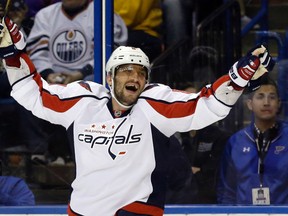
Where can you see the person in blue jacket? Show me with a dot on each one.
(15, 192)
(255, 160)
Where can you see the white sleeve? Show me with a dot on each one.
(57, 104)
(173, 111)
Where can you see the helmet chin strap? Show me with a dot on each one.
(113, 95)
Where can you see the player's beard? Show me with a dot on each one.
(126, 100)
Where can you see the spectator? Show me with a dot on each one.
(122, 135)
(143, 19)
(15, 192)
(254, 157)
(59, 45)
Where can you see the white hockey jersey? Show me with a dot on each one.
(120, 162)
(59, 43)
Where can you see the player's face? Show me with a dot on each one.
(129, 82)
(265, 104)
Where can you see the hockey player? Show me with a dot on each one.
(121, 135)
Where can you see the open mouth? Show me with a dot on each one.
(131, 87)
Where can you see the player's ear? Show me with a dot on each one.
(109, 79)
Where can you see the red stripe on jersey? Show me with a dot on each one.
(53, 102)
(38, 80)
(220, 81)
(142, 208)
(179, 109)
(174, 110)
(182, 109)
(29, 62)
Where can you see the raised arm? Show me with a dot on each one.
(58, 104)
(245, 73)
(183, 112)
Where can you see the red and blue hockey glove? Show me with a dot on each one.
(251, 67)
(267, 65)
(11, 38)
(243, 70)
(267, 62)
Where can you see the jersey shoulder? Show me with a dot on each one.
(154, 89)
(47, 11)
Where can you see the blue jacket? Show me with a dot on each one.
(239, 168)
(15, 192)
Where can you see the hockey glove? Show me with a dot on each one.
(252, 66)
(267, 65)
(11, 39)
(267, 62)
(243, 70)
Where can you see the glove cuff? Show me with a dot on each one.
(243, 70)
(236, 78)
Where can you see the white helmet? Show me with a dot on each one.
(127, 55)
